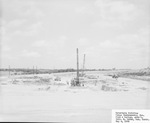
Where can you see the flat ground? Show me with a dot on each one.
(41, 98)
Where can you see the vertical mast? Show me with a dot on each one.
(77, 68)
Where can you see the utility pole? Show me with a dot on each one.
(77, 81)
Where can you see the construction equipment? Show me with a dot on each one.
(75, 81)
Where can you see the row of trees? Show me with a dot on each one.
(34, 70)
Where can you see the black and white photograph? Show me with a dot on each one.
(74, 61)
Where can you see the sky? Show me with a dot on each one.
(46, 33)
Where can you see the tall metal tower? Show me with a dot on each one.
(77, 81)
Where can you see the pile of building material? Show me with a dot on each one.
(108, 88)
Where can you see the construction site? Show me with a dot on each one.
(74, 61)
(80, 96)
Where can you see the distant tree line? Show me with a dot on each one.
(43, 71)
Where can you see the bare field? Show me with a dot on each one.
(42, 98)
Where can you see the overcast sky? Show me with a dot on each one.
(46, 33)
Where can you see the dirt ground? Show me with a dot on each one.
(41, 98)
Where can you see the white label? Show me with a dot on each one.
(130, 116)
